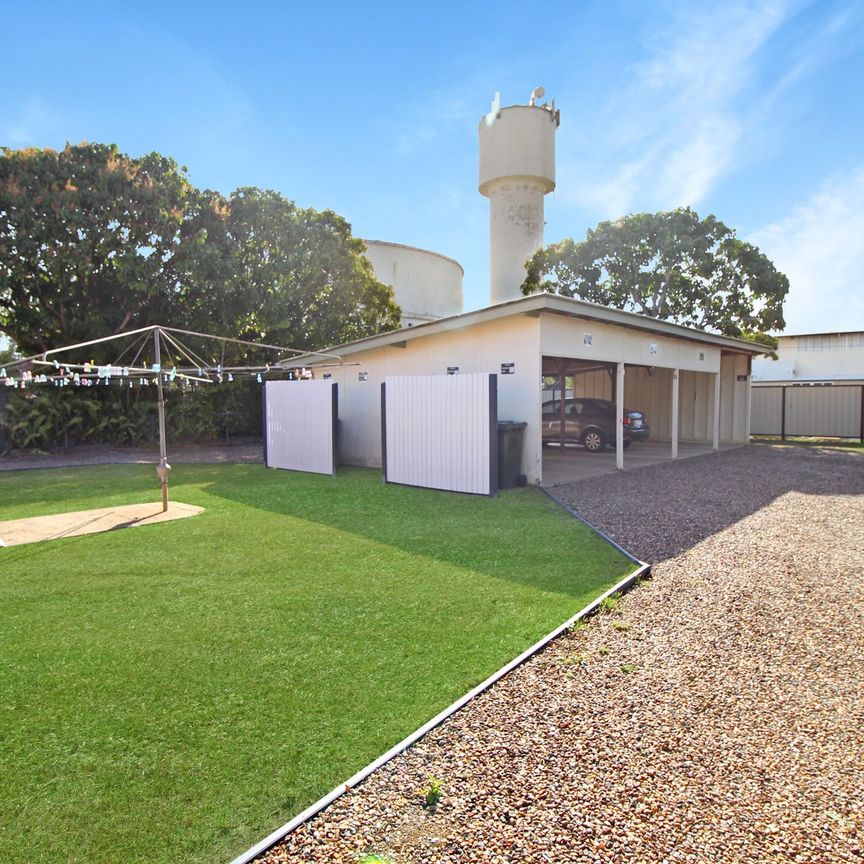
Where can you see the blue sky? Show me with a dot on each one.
(751, 111)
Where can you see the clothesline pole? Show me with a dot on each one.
(163, 468)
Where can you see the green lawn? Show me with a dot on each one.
(849, 445)
(174, 692)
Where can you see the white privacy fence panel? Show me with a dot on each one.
(300, 425)
(830, 411)
(440, 431)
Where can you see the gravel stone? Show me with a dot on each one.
(717, 716)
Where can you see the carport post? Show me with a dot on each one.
(619, 417)
(674, 413)
(716, 442)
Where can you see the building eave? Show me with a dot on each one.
(538, 304)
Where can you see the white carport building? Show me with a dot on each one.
(693, 386)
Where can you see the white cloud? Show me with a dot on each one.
(439, 115)
(33, 124)
(676, 127)
(820, 247)
(690, 171)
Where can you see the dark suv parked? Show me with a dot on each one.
(591, 423)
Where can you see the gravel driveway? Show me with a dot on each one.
(717, 716)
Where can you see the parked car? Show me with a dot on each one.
(591, 423)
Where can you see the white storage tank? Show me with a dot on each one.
(517, 169)
(426, 285)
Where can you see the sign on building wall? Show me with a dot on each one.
(300, 419)
(440, 432)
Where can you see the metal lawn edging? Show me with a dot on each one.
(282, 832)
(565, 506)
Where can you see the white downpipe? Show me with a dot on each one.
(619, 417)
(675, 377)
(716, 442)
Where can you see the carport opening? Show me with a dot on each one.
(579, 418)
(578, 405)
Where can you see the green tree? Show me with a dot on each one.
(87, 238)
(669, 265)
(257, 267)
(94, 242)
(291, 276)
(7, 351)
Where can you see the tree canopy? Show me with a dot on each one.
(93, 242)
(669, 265)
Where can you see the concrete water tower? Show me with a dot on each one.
(427, 286)
(517, 168)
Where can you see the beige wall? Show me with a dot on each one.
(767, 411)
(828, 356)
(734, 419)
(695, 406)
(482, 348)
(564, 337)
(829, 411)
(524, 340)
(650, 392)
(594, 385)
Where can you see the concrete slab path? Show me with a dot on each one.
(16, 532)
(575, 463)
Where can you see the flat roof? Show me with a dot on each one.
(808, 379)
(819, 333)
(536, 304)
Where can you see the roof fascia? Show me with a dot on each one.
(534, 305)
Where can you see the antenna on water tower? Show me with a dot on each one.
(492, 116)
(536, 93)
(517, 168)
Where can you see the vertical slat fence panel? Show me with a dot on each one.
(301, 425)
(438, 432)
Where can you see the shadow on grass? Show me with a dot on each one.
(521, 535)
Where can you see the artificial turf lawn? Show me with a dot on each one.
(175, 692)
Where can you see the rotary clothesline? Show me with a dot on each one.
(189, 365)
(89, 374)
